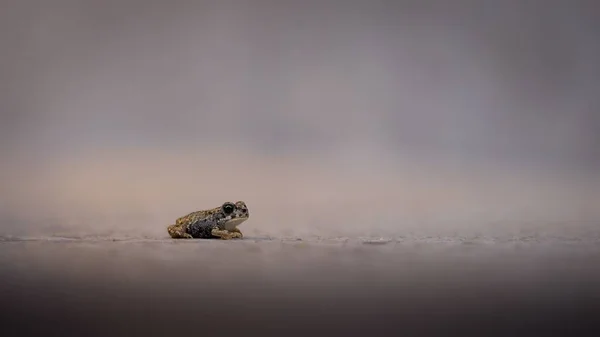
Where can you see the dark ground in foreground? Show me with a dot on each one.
(145, 287)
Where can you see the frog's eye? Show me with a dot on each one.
(228, 208)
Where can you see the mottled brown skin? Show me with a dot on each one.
(219, 222)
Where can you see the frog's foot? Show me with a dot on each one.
(177, 232)
(237, 233)
(225, 234)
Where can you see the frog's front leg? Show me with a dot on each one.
(225, 234)
(178, 232)
(237, 230)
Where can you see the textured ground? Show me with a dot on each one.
(294, 286)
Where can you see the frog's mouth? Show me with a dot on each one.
(233, 223)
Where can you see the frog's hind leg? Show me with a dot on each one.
(177, 232)
(225, 234)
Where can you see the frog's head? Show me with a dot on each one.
(233, 214)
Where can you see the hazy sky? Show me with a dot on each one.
(106, 93)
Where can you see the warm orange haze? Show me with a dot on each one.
(136, 193)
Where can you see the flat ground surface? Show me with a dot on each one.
(299, 286)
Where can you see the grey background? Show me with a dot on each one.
(349, 118)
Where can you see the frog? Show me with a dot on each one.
(219, 222)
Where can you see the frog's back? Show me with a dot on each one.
(194, 217)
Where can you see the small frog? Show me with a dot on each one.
(219, 222)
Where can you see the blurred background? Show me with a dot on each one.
(329, 118)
